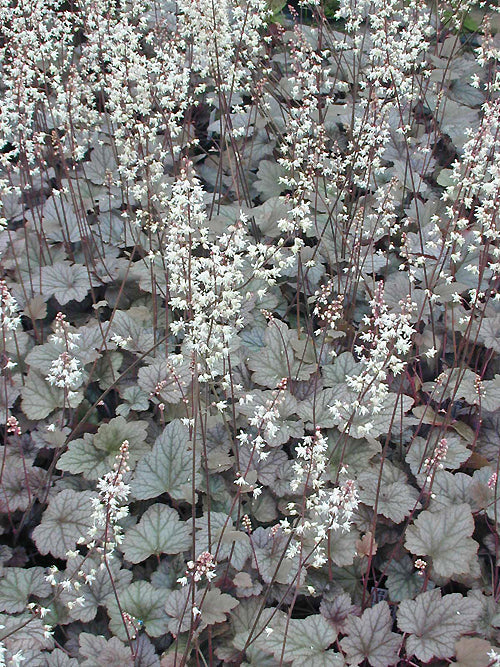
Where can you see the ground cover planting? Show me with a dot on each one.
(250, 333)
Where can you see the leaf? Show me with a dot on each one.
(267, 470)
(268, 184)
(472, 652)
(276, 360)
(424, 448)
(82, 457)
(94, 456)
(456, 383)
(216, 529)
(67, 518)
(23, 632)
(267, 550)
(67, 282)
(110, 437)
(60, 220)
(145, 604)
(39, 397)
(342, 546)
(388, 491)
(366, 546)
(316, 409)
(145, 654)
(36, 308)
(403, 580)
(102, 161)
(434, 623)
(215, 606)
(134, 326)
(20, 484)
(490, 394)
(135, 399)
(17, 584)
(338, 610)
(488, 332)
(450, 490)
(168, 381)
(285, 425)
(99, 651)
(301, 641)
(59, 659)
(454, 118)
(168, 467)
(96, 593)
(178, 607)
(488, 443)
(370, 637)
(444, 536)
(160, 531)
(354, 454)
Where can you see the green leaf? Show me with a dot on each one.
(40, 398)
(403, 581)
(301, 641)
(341, 547)
(96, 593)
(444, 536)
(370, 637)
(215, 606)
(388, 491)
(133, 325)
(276, 360)
(450, 490)
(168, 468)
(287, 424)
(82, 457)
(65, 281)
(23, 632)
(268, 184)
(160, 531)
(316, 408)
(456, 383)
(60, 659)
(135, 399)
(94, 456)
(67, 518)
(174, 379)
(110, 436)
(145, 604)
(216, 530)
(434, 623)
(20, 483)
(424, 448)
(17, 584)
(99, 651)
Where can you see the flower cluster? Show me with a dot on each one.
(203, 566)
(435, 462)
(324, 508)
(384, 344)
(65, 371)
(9, 310)
(110, 507)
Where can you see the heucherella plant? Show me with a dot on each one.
(250, 331)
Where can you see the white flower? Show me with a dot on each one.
(65, 372)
